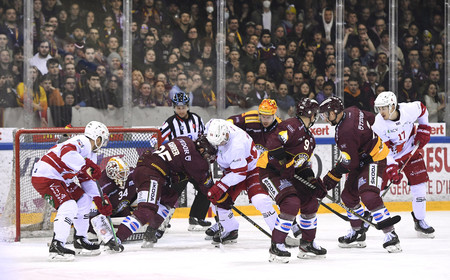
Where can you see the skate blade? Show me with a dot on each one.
(394, 248)
(425, 235)
(85, 252)
(278, 259)
(291, 242)
(217, 244)
(147, 244)
(308, 255)
(197, 228)
(208, 237)
(55, 257)
(107, 250)
(353, 245)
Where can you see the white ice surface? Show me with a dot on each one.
(186, 255)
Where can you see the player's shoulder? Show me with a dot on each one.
(410, 110)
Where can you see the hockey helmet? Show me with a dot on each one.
(180, 98)
(307, 108)
(96, 129)
(217, 132)
(118, 170)
(209, 151)
(267, 107)
(331, 104)
(386, 99)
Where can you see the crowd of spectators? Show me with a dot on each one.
(280, 49)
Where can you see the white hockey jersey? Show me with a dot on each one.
(237, 157)
(399, 134)
(63, 161)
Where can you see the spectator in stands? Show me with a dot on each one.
(149, 75)
(114, 92)
(435, 103)
(62, 30)
(262, 71)
(275, 64)
(48, 34)
(109, 28)
(354, 97)
(12, 28)
(250, 78)
(39, 98)
(265, 47)
(249, 60)
(8, 93)
(55, 102)
(40, 58)
(74, 16)
(164, 47)
(93, 38)
(262, 90)
(289, 20)
(327, 25)
(408, 91)
(264, 16)
(328, 91)
(160, 95)
(234, 95)
(382, 69)
(70, 87)
(38, 20)
(93, 93)
(54, 73)
(284, 101)
(186, 57)
(305, 92)
(205, 96)
(368, 87)
(288, 75)
(144, 98)
(50, 9)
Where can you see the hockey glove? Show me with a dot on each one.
(392, 174)
(105, 209)
(215, 193)
(422, 135)
(91, 169)
(320, 191)
(332, 178)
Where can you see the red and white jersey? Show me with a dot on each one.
(237, 157)
(64, 161)
(399, 134)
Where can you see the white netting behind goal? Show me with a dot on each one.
(26, 213)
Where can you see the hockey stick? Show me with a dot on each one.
(403, 166)
(343, 217)
(388, 222)
(108, 217)
(251, 221)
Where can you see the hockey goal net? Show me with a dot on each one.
(26, 213)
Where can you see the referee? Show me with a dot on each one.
(185, 123)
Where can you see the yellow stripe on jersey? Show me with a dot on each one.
(380, 151)
(159, 169)
(263, 160)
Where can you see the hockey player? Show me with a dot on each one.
(53, 178)
(363, 157)
(289, 152)
(260, 124)
(186, 123)
(237, 157)
(394, 124)
(156, 176)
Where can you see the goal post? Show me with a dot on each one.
(26, 213)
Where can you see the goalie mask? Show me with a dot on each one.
(209, 151)
(118, 170)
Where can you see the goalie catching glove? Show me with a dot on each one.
(91, 169)
(423, 135)
(215, 193)
(106, 208)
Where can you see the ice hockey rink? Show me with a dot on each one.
(186, 255)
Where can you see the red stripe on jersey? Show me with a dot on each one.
(67, 148)
(55, 162)
(239, 170)
(423, 108)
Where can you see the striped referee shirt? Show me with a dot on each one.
(174, 127)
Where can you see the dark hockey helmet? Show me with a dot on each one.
(209, 151)
(307, 108)
(331, 104)
(180, 98)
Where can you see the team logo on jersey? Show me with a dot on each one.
(80, 143)
(300, 159)
(345, 158)
(283, 136)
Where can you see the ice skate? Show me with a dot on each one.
(310, 250)
(210, 232)
(85, 247)
(422, 228)
(226, 238)
(392, 243)
(59, 253)
(112, 246)
(196, 224)
(353, 239)
(368, 217)
(278, 253)
(292, 242)
(149, 238)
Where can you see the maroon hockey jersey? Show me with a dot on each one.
(178, 156)
(250, 123)
(121, 199)
(356, 139)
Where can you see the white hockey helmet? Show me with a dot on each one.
(217, 132)
(386, 99)
(117, 170)
(96, 129)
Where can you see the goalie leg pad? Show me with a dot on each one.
(102, 228)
